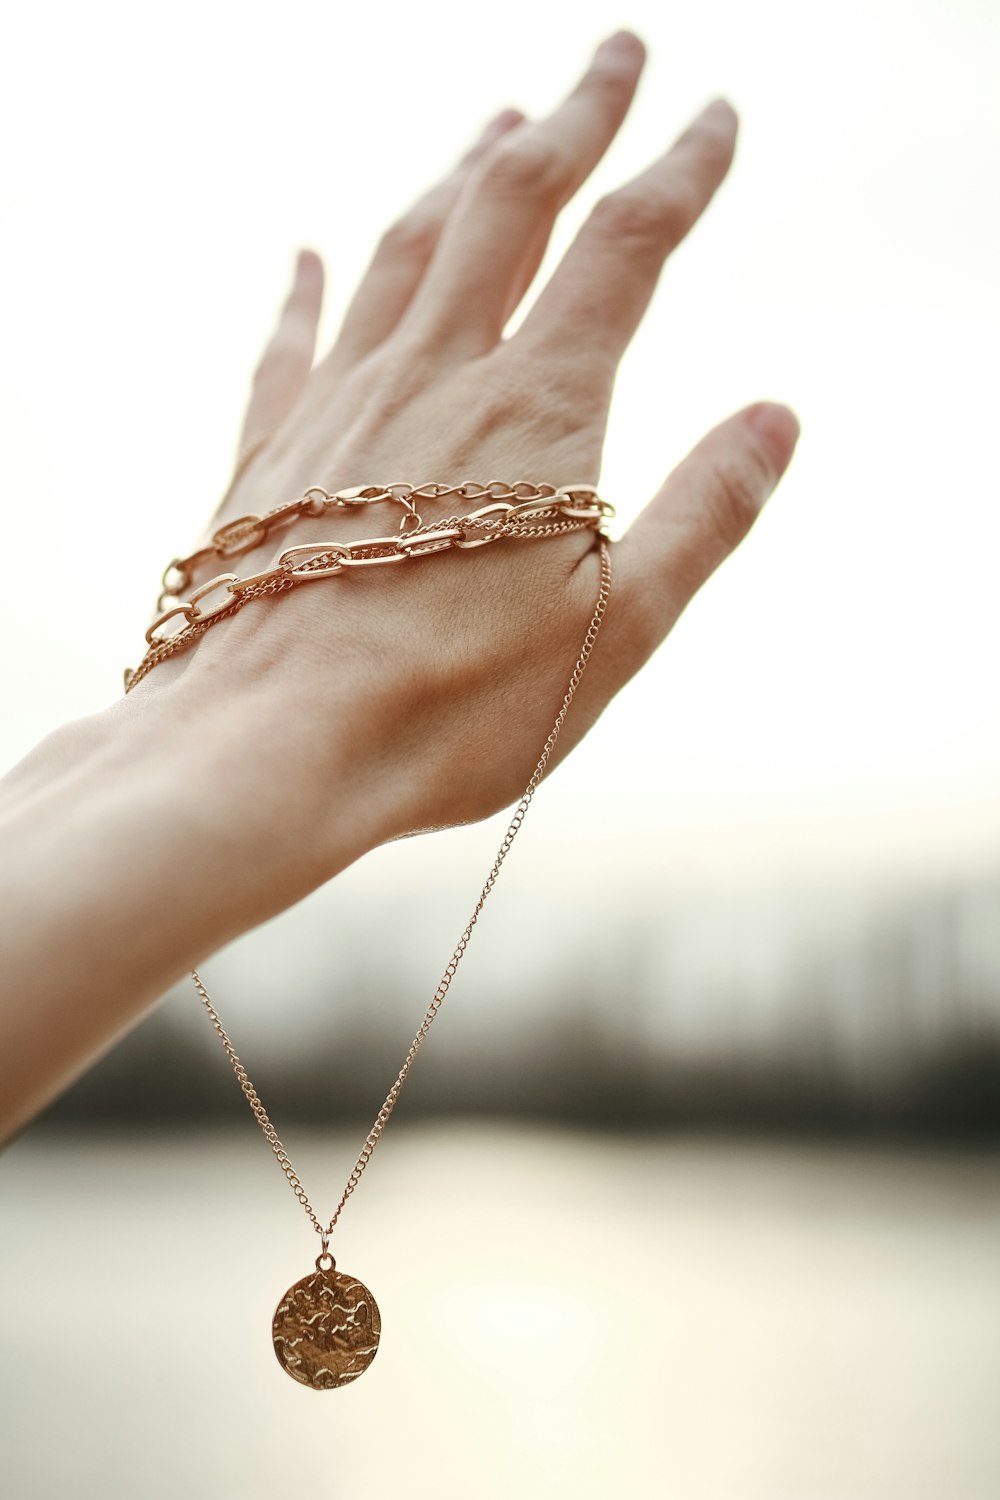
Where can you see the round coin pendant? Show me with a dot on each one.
(326, 1328)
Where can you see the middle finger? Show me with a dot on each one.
(510, 203)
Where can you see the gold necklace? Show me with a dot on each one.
(327, 1326)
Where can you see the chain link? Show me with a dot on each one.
(245, 532)
(520, 510)
(382, 1118)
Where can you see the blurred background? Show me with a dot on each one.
(695, 1189)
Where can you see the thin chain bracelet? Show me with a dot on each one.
(547, 512)
(245, 532)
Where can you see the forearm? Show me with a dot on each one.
(133, 843)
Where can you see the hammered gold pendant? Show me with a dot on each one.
(326, 1328)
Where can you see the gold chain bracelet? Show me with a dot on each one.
(520, 510)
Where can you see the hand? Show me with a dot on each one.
(237, 776)
(372, 688)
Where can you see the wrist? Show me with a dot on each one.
(136, 841)
(236, 798)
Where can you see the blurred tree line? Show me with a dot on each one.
(886, 1020)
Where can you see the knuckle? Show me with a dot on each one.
(287, 347)
(292, 334)
(525, 165)
(565, 426)
(277, 366)
(641, 216)
(562, 376)
(574, 404)
(550, 394)
(607, 91)
(606, 80)
(735, 494)
(414, 236)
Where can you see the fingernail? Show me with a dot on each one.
(623, 46)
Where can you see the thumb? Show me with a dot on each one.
(702, 512)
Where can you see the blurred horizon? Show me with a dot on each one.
(820, 1009)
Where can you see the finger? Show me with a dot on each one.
(286, 362)
(597, 295)
(402, 255)
(512, 198)
(703, 511)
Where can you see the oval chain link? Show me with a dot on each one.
(245, 532)
(519, 510)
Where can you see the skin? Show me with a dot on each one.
(310, 728)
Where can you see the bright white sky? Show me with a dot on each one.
(833, 695)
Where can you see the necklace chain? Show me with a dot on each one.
(382, 1118)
